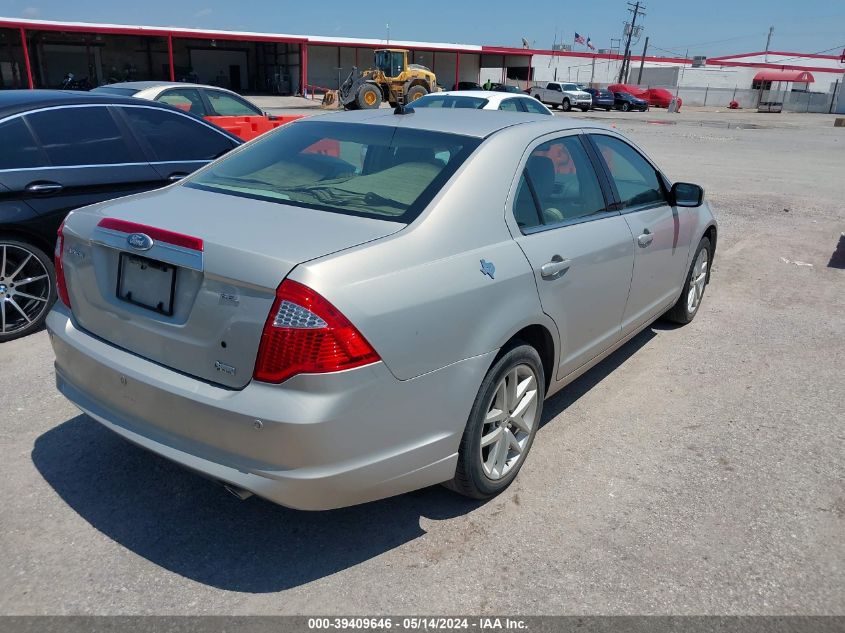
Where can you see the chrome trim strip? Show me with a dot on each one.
(161, 251)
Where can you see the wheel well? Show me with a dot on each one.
(540, 339)
(23, 236)
(710, 234)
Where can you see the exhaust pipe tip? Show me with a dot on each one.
(240, 493)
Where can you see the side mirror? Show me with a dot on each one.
(686, 194)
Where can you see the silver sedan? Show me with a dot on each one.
(362, 304)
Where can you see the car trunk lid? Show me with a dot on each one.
(196, 298)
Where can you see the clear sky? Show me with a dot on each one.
(705, 27)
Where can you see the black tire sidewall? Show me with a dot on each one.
(482, 486)
(51, 273)
(566, 105)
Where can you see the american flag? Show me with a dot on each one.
(590, 44)
(579, 39)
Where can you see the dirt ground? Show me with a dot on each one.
(697, 470)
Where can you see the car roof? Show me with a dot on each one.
(462, 121)
(138, 86)
(16, 101)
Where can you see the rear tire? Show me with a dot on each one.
(607, 109)
(506, 414)
(368, 97)
(585, 109)
(27, 288)
(698, 277)
(414, 93)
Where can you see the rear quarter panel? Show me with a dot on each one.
(419, 296)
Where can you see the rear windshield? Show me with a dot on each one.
(449, 101)
(389, 173)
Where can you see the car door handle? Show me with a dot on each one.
(176, 177)
(44, 187)
(554, 268)
(645, 239)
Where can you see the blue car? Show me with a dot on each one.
(601, 98)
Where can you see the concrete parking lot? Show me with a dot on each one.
(698, 470)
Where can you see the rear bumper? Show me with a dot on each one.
(315, 442)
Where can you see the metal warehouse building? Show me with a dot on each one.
(39, 54)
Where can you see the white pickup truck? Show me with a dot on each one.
(565, 95)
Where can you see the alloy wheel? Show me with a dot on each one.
(698, 280)
(511, 417)
(24, 288)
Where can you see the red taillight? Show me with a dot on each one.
(305, 334)
(61, 284)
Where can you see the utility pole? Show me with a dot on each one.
(642, 61)
(637, 10)
(768, 41)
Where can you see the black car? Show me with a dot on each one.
(602, 98)
(466, 85)
(626, 101)
(62, 150)
(507, 88)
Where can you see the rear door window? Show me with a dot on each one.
(82, 136)
(511, 105)
(185, 99)
(558, 184)
(19, 149)
(636, 180)
(369, 170)
(174, 137)
(224, 104)
(532, 106)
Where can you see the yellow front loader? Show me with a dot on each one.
(392, 79)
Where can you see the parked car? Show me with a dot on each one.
(507, 88)
(222, 107)
(625, 101)
(658, 97)
(563, 95)
(323, 339)
(601, 98)
(62, 150)
(481, 100)
(466, 85)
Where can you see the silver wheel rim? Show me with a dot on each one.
(698, 279)
(24, 288)
(509, 422)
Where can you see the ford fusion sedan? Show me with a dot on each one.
(482, 100)
(327, 332)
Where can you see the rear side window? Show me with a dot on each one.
(81, 136)
(18, 149)
(374, 171)
(636, 180)
(185, 99)
(223, 104)
(172, 137)
(558, 184)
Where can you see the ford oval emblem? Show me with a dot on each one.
(140, 241)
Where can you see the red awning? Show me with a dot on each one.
(800, 76)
